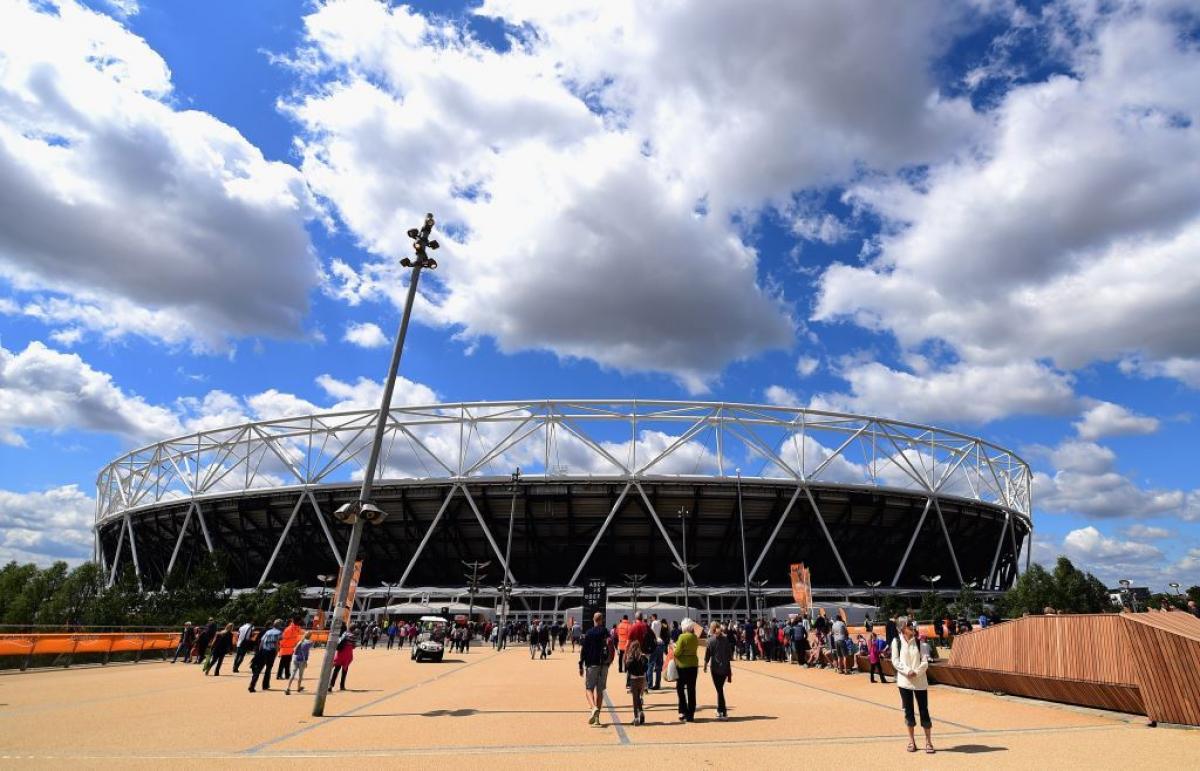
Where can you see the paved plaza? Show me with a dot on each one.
(503, 710)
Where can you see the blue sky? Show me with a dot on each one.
(982, 216)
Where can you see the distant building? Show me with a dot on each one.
(1141, 594)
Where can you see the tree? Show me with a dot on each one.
(13, 578)
(1193, 593)
(932, 607)
(263, 604)
(73, 602)
(892, 605)
(40, 587)
(1031, 593)
(1067, 589)
(967, 603)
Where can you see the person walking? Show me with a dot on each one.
(595, 656)
(287, 645)
(911, 660)
(840, 652)
(636, 665)
(342, 658)
(300, 660)
(687, 663)
(622, 642)
(245, 642)
(222, 645)
(800, 644)
(544, 640)
(576, 634)
(204, 639)
(875, 648)
(718, 653)
(186, 638)
(392, 631)
(264, 657)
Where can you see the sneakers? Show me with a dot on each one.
(595, 717)
(722, 716)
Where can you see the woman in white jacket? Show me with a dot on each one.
(910, 657)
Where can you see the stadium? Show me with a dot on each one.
(607, 489)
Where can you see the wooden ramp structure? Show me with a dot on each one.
(1142, 663)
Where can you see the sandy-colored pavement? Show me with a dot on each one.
(506, 710)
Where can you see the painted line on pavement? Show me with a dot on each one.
(612, 711)
(330, 718)
(832, 692)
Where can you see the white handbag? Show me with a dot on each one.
(672, 673)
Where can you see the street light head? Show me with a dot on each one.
(373, 514)
(434, 245)
(414, 233)
(347, 513)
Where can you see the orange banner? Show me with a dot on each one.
(350, 595)
(801, 586)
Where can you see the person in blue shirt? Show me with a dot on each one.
(264, 658)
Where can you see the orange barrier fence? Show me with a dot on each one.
(106, 643)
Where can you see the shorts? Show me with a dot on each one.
(596, 678)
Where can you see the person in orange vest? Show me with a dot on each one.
(622, 642)
(287, 647)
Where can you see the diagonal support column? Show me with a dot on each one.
(600, 533)
(178, 542)
(337, 555)
(116, 558)
(775, 532)
(663, 530)
(488, 534)
(824, 529)
(428, 533)
(137, 568)
(949, 544)
(282, 537)
(999, 544)
(203, 527)
(913, 540)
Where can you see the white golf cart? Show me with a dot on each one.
(431, 639)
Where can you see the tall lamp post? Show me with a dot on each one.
(505, 584)
(873, 586)
(474, 578)
(742, 528)
(324, 579)
(932, 580)
(635, 582)
(1126, 586)
(363, 510)
(759, 598)
(387, 600)
(684, 566)
(1174, 587)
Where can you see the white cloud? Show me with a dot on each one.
(1141, 532)
(958, 393)
(1069, 230)
(784, 397)
(586, 213)
(1089, 545)
(46, 526)
(1103, 419)
(807, 365)
(366, 335)
(126, 215)
(1087, 482)
(1185, 370)
(41, 388)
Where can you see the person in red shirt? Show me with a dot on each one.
(287, 647)
(622, 642)
(639, 630)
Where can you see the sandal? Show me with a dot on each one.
(929, 750)
(912, 747)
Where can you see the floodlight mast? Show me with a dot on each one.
(363, 510)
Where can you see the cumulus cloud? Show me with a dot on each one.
(958, 393)
(1141, 532)
(45, 389)
(1047, 236)
(1086, 481)
(586, 214)
(1103, 419)
(366, 335)
(126, 215)
(45, 526)
(784, 397)
(807, 365)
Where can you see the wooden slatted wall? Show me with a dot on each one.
(1166, 648)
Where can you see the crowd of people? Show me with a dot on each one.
(648, 650)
